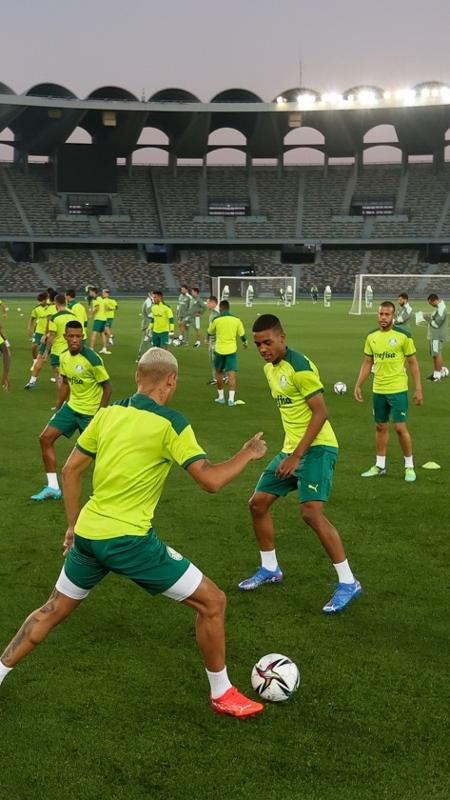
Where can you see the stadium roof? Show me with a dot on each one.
(44, 117)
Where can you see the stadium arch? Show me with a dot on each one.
(378, 153)
(384, 133)
(231, 156)
(304, 156)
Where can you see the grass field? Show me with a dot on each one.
(115, 703)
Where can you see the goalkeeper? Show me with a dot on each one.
(160, 326)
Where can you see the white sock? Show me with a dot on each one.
(231, 395)
(381, 462)
(219, 682)
(437, 373)
(4, 671)
(409, 462)
(220, 393)
(344, 573)
(33, 379)
(269, 559)
(52, 480)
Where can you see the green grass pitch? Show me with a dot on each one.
(115, 703)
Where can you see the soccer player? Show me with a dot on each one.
(37, 325)
(314, 293)
(196, 309)
(145, 342)
(183, 316)
(404, 313)
(226, 328)
(3, 309)
(327, 296)
(214, 312)
(387, 349)
(305, 465)
(98, 312)
(132, 446)
(84, 388)
(368, 296)
(77, 309)
(437, 335)
(161, 321)
(54, 343)
(6, 359)
(249, 295)
(111, 306)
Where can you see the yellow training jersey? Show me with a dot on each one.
(134, 442)
(98, 307)
(161, 318)
(85, 372)
(389, 351)
(39, 314)
(57, 325)
(226, 328)
(292, 381)
(79, 311)
(111, 306)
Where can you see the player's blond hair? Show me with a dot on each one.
(155, 364)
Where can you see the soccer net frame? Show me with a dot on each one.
(386, 286)
(266, 288)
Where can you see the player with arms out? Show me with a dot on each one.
(388, 349)
(305, 465)
(6, 360)
(404, 312)
(226, 328)
(132, 446)
(83, 389)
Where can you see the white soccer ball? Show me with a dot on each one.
(340, 387)
(444, 372)
(19, 309)
(176, 342)
(275, 677)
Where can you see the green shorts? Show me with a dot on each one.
(41, 350)
(99, 325)
(160, 339)
(227, 363)
(144, 559)
(109, 322)
(54, 360)
(390, 407)
(68, 421)
(313, 478)
(435, 346)
(37, 338)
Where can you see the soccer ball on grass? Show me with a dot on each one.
(340, 387)
(275, 677)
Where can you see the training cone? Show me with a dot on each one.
(431, 465)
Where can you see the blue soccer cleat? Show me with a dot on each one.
(47, 493)
(344, 594)
(262, 575)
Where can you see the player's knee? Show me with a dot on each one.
(45, 438)
(257, 506)
(310, 513)
(381, 426)
(216, 601)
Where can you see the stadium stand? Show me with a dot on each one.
(17, 276)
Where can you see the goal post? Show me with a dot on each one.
(372, 288)
(280, 289)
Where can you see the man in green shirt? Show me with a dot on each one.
(387, 349)
(97, 310)
(437, 334)
(37, 325)
(305, 464)
(214, 312)
(404, 312)
(160, 327)
(77, 309)
(83, 389)
(183, 317)
(132, 446)
(226, 328)
(54, 342)
(196, 309)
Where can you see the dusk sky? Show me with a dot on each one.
(209, 46)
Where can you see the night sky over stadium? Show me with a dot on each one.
(206, 47)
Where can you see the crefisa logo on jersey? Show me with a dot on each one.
(393, 341)
(79, 368)
(283, 381)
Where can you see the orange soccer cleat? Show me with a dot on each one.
(235, 704)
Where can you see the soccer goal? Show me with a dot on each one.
(280, 289)
(371, 289)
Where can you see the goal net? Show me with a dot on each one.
(281, 289)
(371, 289)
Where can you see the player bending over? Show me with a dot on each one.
(133, 445)
(305, 465)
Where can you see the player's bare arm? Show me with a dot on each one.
(415, 372)
(364, 373)
(72, 474)
(107, 390)
(316, 423)
(213, 477)
(6, 364)
(63, 392)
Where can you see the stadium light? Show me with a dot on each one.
(367, 96)
(387, 95)
(280, 100)
(306, 99)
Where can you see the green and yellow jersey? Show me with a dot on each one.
(292, 381)
(226, 328)
(134, 443)
(161, 318)
(39, 316)
(57, 325)
(2, 339)
(389, 351)
(79, 311)
(111, 307)
(98, 308)
(84, 372)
